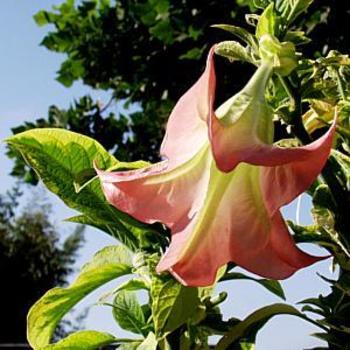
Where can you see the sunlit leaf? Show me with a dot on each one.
(271, 285)
(60, 157)
(108, 264)
(128, 312)
(172, 304)
(251, 325)
(83, 340)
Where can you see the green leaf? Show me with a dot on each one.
(172, 304)
(311, 234)
(267, 23)
(150, 343)
(85, 220)
(132, 285)
(193, 54)
(240, 33)
(205, 292)
(281, 54)
(322, 198)
(163, 31)
(271, 285)
(246, 346)
(251, 325)
(343, 167)
(148, 239)
(330, 339)
(128, 312)
(161, 6)
(60, 157)
(297, 37)
(324, 216)
(129, 346)
(234, 51)
(83, 340)
(297, 7)
(108, 264)
(41, 18)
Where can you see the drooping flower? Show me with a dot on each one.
(221, 185)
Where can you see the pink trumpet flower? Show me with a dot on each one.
(222, 185)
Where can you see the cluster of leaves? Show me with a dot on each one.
(30, 257)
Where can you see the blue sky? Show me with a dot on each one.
(28, 88)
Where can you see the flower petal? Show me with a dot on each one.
(283, 183)
(280, 257)
(187, 130)
(157, 193)
(231, 146)
(241, 126)
(241, 130)
(233, 225)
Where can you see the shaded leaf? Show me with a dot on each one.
(297, 8)
(343, 172)
(240, 33)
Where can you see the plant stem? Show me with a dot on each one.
(288, 91)
(340, 85)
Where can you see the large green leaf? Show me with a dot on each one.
(108, 264)
(267, 22)
(128, 312)
(234, 51)
(172, 304)
(248, 328)
(131, 285)
(240, 33)
(63, 159)
(271, 285)
(83, 340)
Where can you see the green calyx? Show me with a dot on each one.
(281, 54)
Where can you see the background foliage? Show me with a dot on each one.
(146, 54)
(32, 260)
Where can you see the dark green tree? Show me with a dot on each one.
(32, 260)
